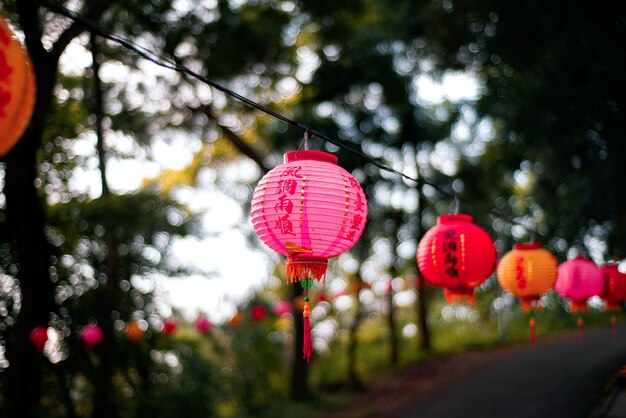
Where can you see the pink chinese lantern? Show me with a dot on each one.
(578, 280)
(39, 337)
(308, 209)
(614, 287)
(169, 326)
(458, 255)
(282, 307)
(91, 335)
(258, 313)
(203, 325)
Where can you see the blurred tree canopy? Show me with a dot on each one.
(536, 132)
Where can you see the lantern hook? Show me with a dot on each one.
(457, 204)
(307, 135)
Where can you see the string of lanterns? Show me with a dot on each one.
(309, 209)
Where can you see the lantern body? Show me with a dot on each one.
(92, 335)
(134, 331)
(527, 271)
(614, 287)
(579, 279)
(458, 255)
(17, 89)
(39, 337)
(308, 209)
(282, 307)
(203, 324)
(169, 327)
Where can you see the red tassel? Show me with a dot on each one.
(579, 323)
(306, 268)
(459, 295)
(307, 346)
(531, 324)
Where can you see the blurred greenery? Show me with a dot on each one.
(513, 106)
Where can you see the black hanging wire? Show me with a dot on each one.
(309, 133)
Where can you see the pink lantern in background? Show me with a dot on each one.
(92, 335)
(39, 337)
(308, 209)
(579, 279)
(203, 325)
(282, 307)
(169, 326)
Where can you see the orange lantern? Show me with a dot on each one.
(134, 331)
(17, 89)
(527, 271)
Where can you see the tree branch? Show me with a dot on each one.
(95, 11)
(236, 140)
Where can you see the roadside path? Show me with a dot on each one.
(559, 377)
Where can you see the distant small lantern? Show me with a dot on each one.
(614, 293)
(527, 271)
(258, 313)
(134, 332)
(203, 325)
(457, 255)
(17, 89)
(169, 326)
(308, 209)
(39, 337)
(578, 280)
(92, 335)
(282, 307)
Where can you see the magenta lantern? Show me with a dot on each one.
(458, 255)
(39, 337)
(578, 280)
(91, 335)
(203, 324)
(308, 209)
(282, 307)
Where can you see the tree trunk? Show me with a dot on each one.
(25, 218)
(104, 405)
(354, 380)
(300, 368)
(420, 304)
(391, 320)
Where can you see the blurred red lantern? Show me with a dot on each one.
(527, 271)
(17, 89)
(169, 326)
(258, 313)
(614, 287)
(134, 332)
(578, 280)
(308, 209)
(203, 325)
(282, 307)
(457, 255)
(92, 335)
(39, 337)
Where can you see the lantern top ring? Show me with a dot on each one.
(310, 155)
(452, 218)
(527, 246)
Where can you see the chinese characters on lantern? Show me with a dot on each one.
(450, 249)
(284, 206)
(519, 273)
(5, 72)
(358, 218)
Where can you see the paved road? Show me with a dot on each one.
(558, 378)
